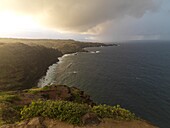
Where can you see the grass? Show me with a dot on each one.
(8, 97)
(9, 112)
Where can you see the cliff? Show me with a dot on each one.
(21, 65)
(24, 61)
(65, 46)
(60, 106)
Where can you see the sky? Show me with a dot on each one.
(86, 20)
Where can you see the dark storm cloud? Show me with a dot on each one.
(78, 15)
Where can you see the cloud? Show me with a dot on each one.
(79, 15)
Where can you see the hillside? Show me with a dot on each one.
(59, 106)
(22, 65)
(65, 46)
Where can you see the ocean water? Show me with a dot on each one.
(135, 75)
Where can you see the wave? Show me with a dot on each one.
(48, 79)
(74, 72)
(95, 52)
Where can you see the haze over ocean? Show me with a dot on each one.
(135, 75)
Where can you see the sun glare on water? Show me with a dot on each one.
(11, 23)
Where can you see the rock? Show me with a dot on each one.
(80, 97)
(36, 122)
(63, 92)
(90, 119)
(56, 92)
(50, 123)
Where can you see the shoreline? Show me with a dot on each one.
(30, 59)
(44, 80)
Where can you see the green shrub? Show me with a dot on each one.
(115, 112)
(46, 88)
(62, 110)
(10, 115)
(72, 112)
(9, 98)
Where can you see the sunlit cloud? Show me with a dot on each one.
(11, 23)
(88, 19)
(78, 15)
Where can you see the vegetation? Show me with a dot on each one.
(115, 112)
(9, 114)
(11, 102)
(65, 46)
(22, 65)
(61, 110)
(19, 105)
(73, 112)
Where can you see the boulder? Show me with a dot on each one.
(90, 119)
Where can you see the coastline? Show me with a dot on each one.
(44, 80)
(59, 60)
(29, 59)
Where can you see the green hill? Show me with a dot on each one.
(22, 65)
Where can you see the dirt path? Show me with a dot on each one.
(106, 123)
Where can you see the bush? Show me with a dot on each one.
(9, 98)
(62, 110)
(10, 115)
(115, 112)
(73, 112)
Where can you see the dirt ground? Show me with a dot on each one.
(106, 123)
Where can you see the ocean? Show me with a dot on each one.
(135, 75)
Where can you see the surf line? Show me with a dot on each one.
(49, 78)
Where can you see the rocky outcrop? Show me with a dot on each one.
(90, 119)
(13, 101)
(10, 101)
(53, 92)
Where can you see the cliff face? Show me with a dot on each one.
(22, 65)
(65, 46)
(52, 92)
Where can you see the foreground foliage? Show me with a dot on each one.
(73, 112)
(115, 112)
(61, 110)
